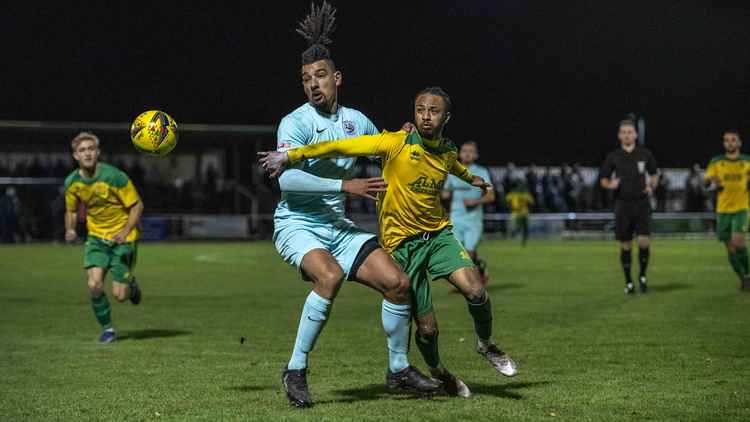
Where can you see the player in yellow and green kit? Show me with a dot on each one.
(729, 172)
(414, 227)
(519, 200)
(113, 210)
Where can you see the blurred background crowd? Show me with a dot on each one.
(32, 193)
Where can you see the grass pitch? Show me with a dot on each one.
(586, 352)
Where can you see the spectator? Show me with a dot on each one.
(695, 192)
(137, 174)
(60, 169)
(535, 188)
(572, 187)
(553, 195)
(56, 209)
(511, 177)
(10, 208)
(660, 194)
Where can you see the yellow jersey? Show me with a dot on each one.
(519, 202)
(733, 177)
(107, 196)
(415, 170)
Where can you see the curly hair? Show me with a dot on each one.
(440, 92)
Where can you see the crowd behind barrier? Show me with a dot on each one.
(32, 211)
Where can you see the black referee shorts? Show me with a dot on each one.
(632, 217)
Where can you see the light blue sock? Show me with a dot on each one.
(314, 316)
(396, 319)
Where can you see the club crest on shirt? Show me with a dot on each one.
(641, 166)
(349, 127)
(415, 155)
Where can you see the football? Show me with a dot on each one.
(154, 132)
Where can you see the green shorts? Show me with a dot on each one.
(728, 223)
(118, 259)
(429, 258)
(520, 221)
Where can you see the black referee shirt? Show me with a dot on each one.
(631, 168)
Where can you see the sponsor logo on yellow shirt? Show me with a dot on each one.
(427, 185)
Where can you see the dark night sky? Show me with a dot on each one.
(532, 81)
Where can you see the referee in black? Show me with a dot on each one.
(631, 172)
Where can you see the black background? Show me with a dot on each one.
(532, 81)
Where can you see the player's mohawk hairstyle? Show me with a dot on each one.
(316, 29)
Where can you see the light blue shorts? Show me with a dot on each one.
(468, 233)
(295, 240)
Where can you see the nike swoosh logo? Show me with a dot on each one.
(320, 130)
(315, 320)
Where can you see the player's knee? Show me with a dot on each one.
(121, 296)
(426, 335)
(426, 329)
(96, 286)
(329, 280)
(397, 289)
(476, 295)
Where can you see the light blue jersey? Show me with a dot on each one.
(311, 213)
(305, 126)
(462, 190)
(467, 223)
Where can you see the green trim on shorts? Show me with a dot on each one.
(729, 223)
(427, 260)
(120, 260)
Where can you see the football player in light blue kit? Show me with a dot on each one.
(312, 232)
(466, 205)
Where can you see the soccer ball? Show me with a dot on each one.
(154, 132)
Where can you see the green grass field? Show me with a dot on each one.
(585, 350)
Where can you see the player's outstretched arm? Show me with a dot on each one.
(360, 146)
(295, 180)
(274, 162)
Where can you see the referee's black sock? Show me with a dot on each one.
(626, 259)
(643, 254)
